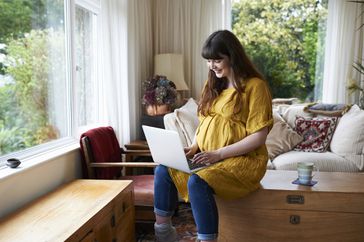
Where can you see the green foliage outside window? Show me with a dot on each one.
(26, 38)
(284, 40)
(25, 112)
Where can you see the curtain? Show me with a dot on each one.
(356, 77)
(132, 32)
(140, 57)
(181, 26)
(126, 50)
(341, 50)
(113, 64)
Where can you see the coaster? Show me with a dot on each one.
(297, 182)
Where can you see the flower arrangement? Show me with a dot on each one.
(158, 90)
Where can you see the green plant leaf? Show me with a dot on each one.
(359, 67)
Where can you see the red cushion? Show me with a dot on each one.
(143, 189)
(105, 148)
(316, 133)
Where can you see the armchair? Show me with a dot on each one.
(103, 159)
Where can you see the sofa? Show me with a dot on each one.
(330, 136)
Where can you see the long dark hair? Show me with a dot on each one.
(225, 43)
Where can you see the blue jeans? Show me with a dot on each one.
(201, 198)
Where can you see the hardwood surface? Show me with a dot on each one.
(327, 181)
(137, 145)
(83, 210)
(331, 210)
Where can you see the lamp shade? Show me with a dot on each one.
(171, 66)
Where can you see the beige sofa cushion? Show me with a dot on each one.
(170, 123)
(326, 161)
(183, 120)
(282, 138)
(294, 111)
(187, 119)
(348, 139)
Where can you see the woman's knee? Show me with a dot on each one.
(161, 171)
(194, 181)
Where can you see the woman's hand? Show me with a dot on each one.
(208, 157)
(191, 151)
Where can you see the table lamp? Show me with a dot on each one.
(171, 66)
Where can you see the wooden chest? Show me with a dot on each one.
(331, 210)
(82, 210)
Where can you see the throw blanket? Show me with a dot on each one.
(104, 148)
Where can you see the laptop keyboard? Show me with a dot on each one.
(194, 165)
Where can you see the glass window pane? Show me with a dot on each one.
(86, 95)
(285, 39)
(32, 74)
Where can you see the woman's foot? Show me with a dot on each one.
(165, 232)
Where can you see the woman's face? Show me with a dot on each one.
(221, 67)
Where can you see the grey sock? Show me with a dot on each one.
(165, 232)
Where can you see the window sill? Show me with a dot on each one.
(39, 158)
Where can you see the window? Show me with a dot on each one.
(33, 69)
(285, 39)
(86, 69)
(36, 79)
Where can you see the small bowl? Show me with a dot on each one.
(13, 162)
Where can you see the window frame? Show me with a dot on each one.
(91, 6)
(73, 132)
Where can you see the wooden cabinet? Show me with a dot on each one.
(83, 210)
(332, 210)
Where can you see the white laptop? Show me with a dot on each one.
(167, 149)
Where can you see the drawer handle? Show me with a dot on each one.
(294, 219)
(112, 221)
(123, 207)
(295, 199)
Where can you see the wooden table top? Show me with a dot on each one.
(58, 214)
(326, 181)
(137, 145)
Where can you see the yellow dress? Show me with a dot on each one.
(237, 176)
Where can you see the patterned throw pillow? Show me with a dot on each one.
(316, 133)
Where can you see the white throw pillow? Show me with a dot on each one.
(348, 139)
(187, 120)
(282, 138)
(291, 113)
(190, 106)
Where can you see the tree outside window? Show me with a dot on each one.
(285, 39)
(32, 67)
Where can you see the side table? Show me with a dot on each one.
(138, 150)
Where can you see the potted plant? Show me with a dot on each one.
(159, 95)
(355, 87)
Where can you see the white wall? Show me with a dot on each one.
(21, 188)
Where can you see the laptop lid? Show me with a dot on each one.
(166, 148)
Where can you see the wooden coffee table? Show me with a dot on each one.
(331, 210)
